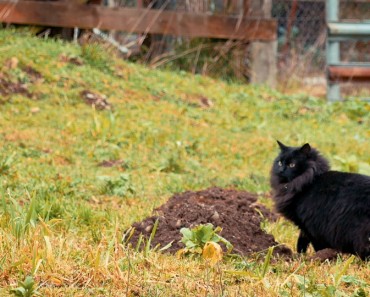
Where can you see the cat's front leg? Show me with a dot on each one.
(302, 242)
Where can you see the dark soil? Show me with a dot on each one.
(237, 212)
(111, 163)
(9, 88)
(32, 73)
(323, 255)
(73, 60)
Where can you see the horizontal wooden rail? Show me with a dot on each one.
(344, 73)
(67, 14)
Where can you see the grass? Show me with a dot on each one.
(63, 216)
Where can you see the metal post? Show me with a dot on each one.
(332, 50)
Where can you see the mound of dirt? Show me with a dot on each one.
(237, 212)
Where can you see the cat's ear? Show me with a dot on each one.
(306, 148)
(282, 146)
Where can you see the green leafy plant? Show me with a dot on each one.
(309, 287)
(121, 186)
(27, 288)
(196, 238)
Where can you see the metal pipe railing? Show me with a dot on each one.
(343, 31)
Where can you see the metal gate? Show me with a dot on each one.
(341, 30)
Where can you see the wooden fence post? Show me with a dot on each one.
(263, 55)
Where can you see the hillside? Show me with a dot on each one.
(75, 175)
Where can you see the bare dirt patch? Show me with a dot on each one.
(111, 163)
(9, 88)
(33, 74)
(71, 59)
(237, 212)
(99, 101)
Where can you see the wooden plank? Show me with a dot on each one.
(135, 20)
(342, 73)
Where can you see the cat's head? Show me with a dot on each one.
(294, 161)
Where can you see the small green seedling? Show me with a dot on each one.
(196, 238)
(26, 288)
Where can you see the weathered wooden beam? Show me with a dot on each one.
(135, 20)
(344, 73)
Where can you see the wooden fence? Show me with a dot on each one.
(259, 28)
(136, 20)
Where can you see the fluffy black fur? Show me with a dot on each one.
(332, 209)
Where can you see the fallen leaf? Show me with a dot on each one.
(212, 252)
(56, 281)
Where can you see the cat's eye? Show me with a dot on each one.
(280, 164)
(291, 165)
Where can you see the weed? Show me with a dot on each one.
(121, 186)
(149, 242)
(20, 218)
(26, 288)
(172, 164)
(266, 263)
(196, 238)
(103, 126)
(106, 152)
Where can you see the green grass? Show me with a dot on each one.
(63, 216)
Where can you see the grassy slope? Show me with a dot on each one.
(60, 223)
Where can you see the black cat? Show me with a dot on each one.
(331, 208)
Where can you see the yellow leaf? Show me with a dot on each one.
(180, 253)
(56, 281)
(212, 252)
